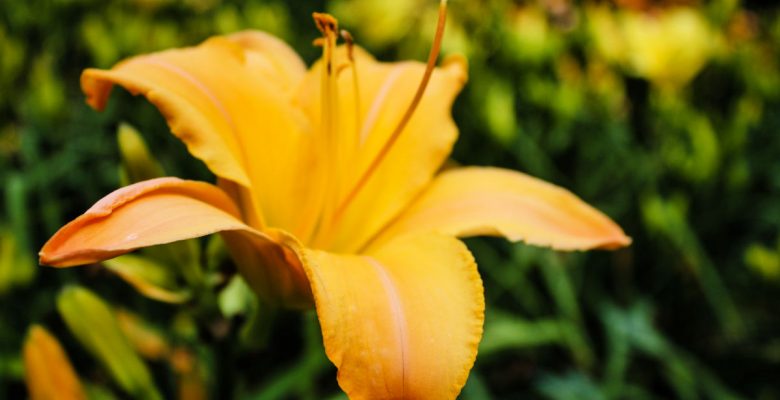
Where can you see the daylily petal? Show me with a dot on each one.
(385, 92)
(403, 322)
(273, 271)
(228, 99)
(475, 201)
(147, 213)
(273, 56)
(165, 210)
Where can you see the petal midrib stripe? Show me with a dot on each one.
(398, 316)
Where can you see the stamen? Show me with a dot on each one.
(432, 56)
(350, 42)
(328, 25)
(329, 110)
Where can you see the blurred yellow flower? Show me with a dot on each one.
(381, 22)
(330, 195)
(532, 38)
(667, 47)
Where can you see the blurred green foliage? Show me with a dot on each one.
(664, 116)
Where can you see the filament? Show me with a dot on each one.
(329, 108)
(350, 43)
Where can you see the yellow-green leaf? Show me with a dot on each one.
(93, 323)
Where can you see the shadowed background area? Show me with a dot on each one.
(662, 114)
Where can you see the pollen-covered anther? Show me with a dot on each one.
(326, 23)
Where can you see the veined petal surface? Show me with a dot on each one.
(165, 210)
(272, 57)
(475, 201)
(147, 213)
(229, 100)
(402, 322)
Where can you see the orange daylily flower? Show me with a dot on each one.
(329, 195)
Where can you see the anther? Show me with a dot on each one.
(326, 23)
